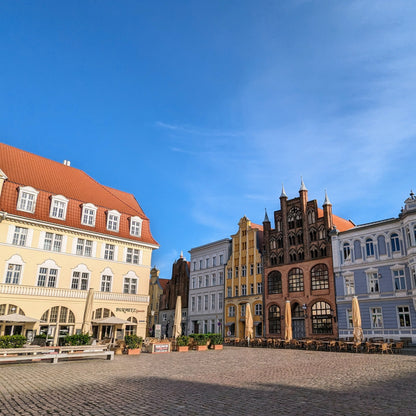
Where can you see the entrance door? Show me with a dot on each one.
(298, 328)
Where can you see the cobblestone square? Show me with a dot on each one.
(234, 381)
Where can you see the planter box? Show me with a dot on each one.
(217, 347)
(134, 351)
(201, 347)
(183, 348)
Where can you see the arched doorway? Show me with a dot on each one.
(298, 321)
(58, 322)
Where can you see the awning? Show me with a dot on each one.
(257, 323)
(111, 320)
(229, 323)
(17, 318)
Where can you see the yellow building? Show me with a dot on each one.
(244, 284)
(74, 255)
(156, 287)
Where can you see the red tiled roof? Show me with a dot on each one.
(259, 227)
(163, 283)
(341, 223)
(52, 178)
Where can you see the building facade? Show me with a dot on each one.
(377, 263)
(178, 285)
(75, 255)
(298, 267)
(206, 288)
(156, 287)
(243, 280)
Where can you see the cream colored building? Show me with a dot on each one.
(74, 255)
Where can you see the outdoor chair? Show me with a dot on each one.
(386, 348)
(332, 346)
(356, 347)
(370, 347)
(269, 343)
(342, 346)
(397, 346)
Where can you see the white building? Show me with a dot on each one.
(206, 287)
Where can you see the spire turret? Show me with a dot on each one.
(283, 194)
(327, 201)
(302, 185)
(266, 217)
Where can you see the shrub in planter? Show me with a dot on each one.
(200, 339)
(133, 342)
(77, 339)
(216, 339)
(182, 341)
(12, 341)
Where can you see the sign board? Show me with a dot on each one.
(158, 331)
(161, 347)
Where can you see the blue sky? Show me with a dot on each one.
(202, 109)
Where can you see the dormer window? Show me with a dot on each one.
(59, 205)
(136, 226)
(27, 199)
(89, 212)
(113, 220)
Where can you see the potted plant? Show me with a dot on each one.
(216, 341)
(133, 344)
(201, 341)
(183, 343)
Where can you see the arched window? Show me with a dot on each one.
(131, 328)
(274, 320)
(300, 237)
(273, 259)
(322, 250)
(314, 252)
(297, 311)
(274, 282)
(321, 318)
(58, 318)
(347, 251)
(321, 233)
(292, 256)
(298, 219)
(296, 280)
(281, 258)
(101, 313)
(311, 217)
(312, 235)
(8, 309)
(280, 242)
(279, 224)
(319, 277)
(395, 243)
(292, 240)
(272, 244)
(369, 247)
(301, 254)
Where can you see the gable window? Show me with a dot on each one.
(27, 199)
(52, 242)
(130, 285)
(133, 255)
(20, 236)
(59, 206)
(105, 283)
(113, 220)
(89, 212)
(84, 247)
(369, 247)
(109, 251)
(80, 280)
(395, 243)
(136, 226)
(47, 277)
(13, 274)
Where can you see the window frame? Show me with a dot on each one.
(23, 202)
(375, 315)
(136, 225)
(113, 221)
(404, 314)
(60, 204)
(88, 218)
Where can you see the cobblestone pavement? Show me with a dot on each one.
(235, 381)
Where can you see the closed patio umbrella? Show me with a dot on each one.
(248, 332)
(288, 321)
(356, 320)
(177, 327)
(86, 322)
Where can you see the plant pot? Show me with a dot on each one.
(201, 347)
(217, 347)
(183, 348)
(134, 351)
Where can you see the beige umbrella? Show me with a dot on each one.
(248, 333)
(288, 321)
(86, 322)
(16, 318)
(177, 327)
(356, 320)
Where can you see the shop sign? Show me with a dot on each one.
(128, 310)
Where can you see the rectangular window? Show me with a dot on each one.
(88, 216)
(19, 236)
(214, 279)
(373, 283)
(105, 283)
(109, 252)
(243, 310)
(349, 285)
(47, 277)
(194, 265)
(229, 292)
(52, 242)
(229, 273)
(205, 302)
(376, 318)
(193, 303)
(251, 269)
(133, 255)
(399, 280)
(221, 278)
(135, 228)
(220, 301)
(58, 209)
(214, 261)
(26, 201)
(130, 285)
(80, 280)
(164, 316)
(193, 283)
(231, 311)
(259, 268)
(244, 271)
(213, 301)
(199, 281)
(84, 247)
(236, 291)
(251, 288)
(404, 316)
(200, 264)
(221, 259)
(259, 288)
(206, 281)
(207, 263)
(258, 309)
(113, 222)
(13, 274)
(243, 290)
(199, 303)
(236, 271)
(349, 318)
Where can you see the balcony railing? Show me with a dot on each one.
(8, 289)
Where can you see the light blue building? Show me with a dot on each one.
(377, 263)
